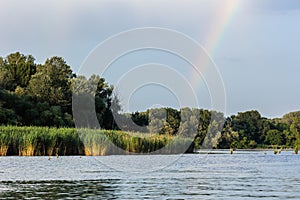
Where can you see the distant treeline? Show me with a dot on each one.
(41, 95)
(213, 130)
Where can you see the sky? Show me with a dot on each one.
(254, 44)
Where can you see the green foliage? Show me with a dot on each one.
(212, 137)
(6, 80)
(229, 137)
(189, 122)
(157, 119)
(52, 82)
(141, 119)
(204, 122)
(250, 123)
(173, 121)
(289, 118)
(42, 141)
(16, 70)
(41, 95)
(275, 137)
(94, 92)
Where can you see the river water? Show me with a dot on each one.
(243, 175)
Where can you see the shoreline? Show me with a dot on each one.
(203, 151)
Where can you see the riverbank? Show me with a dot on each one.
(289, 151)
(44, 141)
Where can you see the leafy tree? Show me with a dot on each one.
(157, 119)
(290, 118)
(228, 136)
(140, 121)
(6, 80)
(92, 97)
(204, 121)
(213, 136)
(40, 95)
(140, 118)
(20, 91)
(250, 123)
(52, 82)
(189, 122)
(16, 70)
(7, 116)
(173, 121)
(293, 134)
(275, 137)
(167, 129)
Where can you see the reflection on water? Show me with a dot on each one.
(57, 189)
(247, 175)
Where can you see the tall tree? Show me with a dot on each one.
(92, 97)
(16, 70)
(157, 120)
(248, 124)
(52, 82)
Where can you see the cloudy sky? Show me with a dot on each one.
(254, 43)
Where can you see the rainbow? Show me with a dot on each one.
(224, 15)
(223, 18)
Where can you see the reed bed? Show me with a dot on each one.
(44, 141)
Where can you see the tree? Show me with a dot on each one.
(157, 119)
(6, 80)
(140, 121)
(204, 121)
(16, 70)
(275, 137)
(173, 121)
(250, 123)
(213, 136)
(293, 134)
(52, 82)
(92, 97)
(290, 118)
(189, 122)
(228, 136)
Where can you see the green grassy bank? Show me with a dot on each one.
(44, 141)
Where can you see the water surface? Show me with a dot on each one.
(243, 175)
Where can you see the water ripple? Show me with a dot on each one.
(220, 176)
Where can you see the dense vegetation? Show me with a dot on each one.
(244, 130)
(42, 141)
(41, 95)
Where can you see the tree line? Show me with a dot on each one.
(212, 129)
(34, 94)
(41, 94)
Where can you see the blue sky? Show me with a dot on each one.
(257, 52)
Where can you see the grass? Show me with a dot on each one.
(44, 141)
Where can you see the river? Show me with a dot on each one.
(242, 175)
